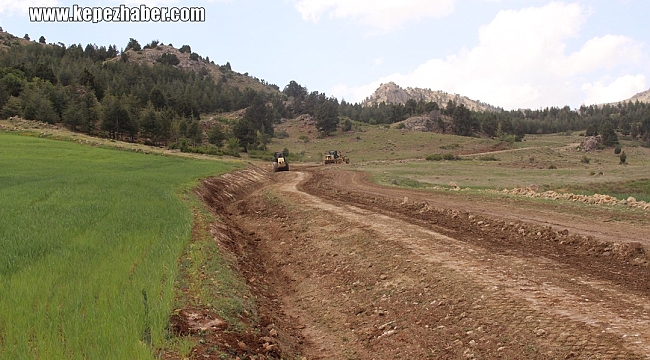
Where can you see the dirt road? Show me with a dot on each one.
(344, 269)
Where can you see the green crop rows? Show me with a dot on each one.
(89, 240)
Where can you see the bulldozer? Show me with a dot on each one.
(335, 157)
(279, 162)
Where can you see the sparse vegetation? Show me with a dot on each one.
(488, 158)
(281, 134)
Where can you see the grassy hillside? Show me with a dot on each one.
(89, 239)
(549, 162)
(372, 143)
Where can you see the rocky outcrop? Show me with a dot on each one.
(590, 143)
(641, 97)
(434, 122)
(392, 93)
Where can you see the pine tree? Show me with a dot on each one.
(327, 116)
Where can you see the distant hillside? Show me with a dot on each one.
(643, 96)
(155, 94)
(392, 93)
(196, 63)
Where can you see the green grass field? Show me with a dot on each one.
(89, 241)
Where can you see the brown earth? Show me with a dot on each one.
(344, 269)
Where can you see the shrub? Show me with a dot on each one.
(400, 126)
(585, 159)
(450, 146)
(623, 158)
(552, 167)
(304, 138)
(617, 150)
(347, 125)
(488, 158)
(168, 59)
(283, 134)
(439, 157)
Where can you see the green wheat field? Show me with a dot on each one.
(89, 242)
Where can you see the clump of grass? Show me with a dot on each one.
(282, 134)
(488, 158)
(450, 146)
(407, 182)
(449, 156)
(440, 157)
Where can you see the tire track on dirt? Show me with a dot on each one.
(570, 311)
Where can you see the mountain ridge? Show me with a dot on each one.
(391, 93)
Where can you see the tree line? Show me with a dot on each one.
(98, 91)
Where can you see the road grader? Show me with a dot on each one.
(335, 157)
(279, 162)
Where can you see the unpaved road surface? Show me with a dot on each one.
(344, 269)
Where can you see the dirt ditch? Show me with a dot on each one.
(344, 269)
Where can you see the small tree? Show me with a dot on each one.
(233, 146)
(26, 37)
(168, 59)
(327, 116)
(608, 133)
(592, 130)
(133, 45)
(185, 49)
(41, 39)
(13, 107)
(347, 125)
(216, 136)
(623, 158)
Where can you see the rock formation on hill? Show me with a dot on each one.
(392, 93)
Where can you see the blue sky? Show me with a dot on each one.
(509, 53)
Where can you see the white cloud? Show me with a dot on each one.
(11, 6)
(606, 51)
(379, 61)
(623, 87)
(380, 14)
(521, 62)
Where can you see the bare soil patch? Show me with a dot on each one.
(344, 269)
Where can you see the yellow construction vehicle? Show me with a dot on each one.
(335, 157)
(279, 162)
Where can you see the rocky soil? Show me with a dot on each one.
(344, 269)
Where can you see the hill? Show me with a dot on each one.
(392, 93)
(155, 94)
(189, 61)
(643, 96)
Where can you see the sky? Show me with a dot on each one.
(508, 53)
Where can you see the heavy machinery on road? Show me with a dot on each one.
(335, 157)
(279, 162)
